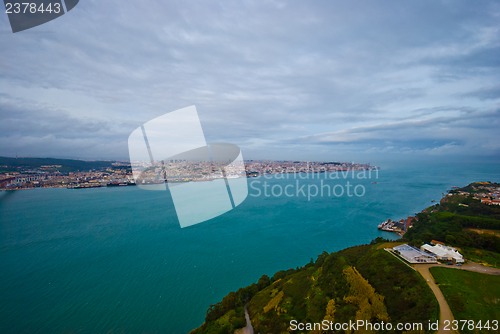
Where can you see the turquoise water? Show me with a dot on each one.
(115, 259)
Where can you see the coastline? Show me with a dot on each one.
(32, 173)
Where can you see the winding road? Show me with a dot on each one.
(444, 309)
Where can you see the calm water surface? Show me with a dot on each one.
(115, 259)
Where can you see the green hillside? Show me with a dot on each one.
(366, 282)
(8, 164)
(363, 282)
(461, 220)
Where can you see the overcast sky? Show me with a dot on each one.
(309, 80)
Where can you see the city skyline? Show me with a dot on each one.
(283, 80)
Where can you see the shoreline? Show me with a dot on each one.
(354, 173)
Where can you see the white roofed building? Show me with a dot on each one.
(443, 252)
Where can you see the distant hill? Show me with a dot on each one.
(8, 164)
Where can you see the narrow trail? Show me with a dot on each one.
(248, 329)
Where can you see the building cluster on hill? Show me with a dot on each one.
(487, 192)
(260, 167)
(120, 173)
(489, 201)
(56, 179)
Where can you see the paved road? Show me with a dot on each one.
(478, 268)
(444, 309)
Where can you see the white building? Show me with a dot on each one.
(413, 255)
(443, 253)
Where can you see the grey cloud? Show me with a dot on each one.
(486, 93)
(266, 75)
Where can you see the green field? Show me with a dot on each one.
(471, 296)
(482, 256)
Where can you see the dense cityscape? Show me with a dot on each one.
(32, 174)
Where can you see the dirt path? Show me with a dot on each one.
(444, 309)
(248, 329)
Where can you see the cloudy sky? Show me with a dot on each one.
(309, 80)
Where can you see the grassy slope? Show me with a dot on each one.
(470, 295)
(485, 257)
(304, 294)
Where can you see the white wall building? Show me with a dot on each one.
(444, 253)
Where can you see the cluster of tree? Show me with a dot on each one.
(369, 303)
(467, 205)
(453, 222)
(236, 300)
